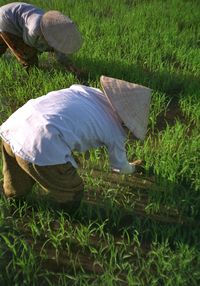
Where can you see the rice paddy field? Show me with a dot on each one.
(137, 230)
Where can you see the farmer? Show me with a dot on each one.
(27, 30)
(39, 138)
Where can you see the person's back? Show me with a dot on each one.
(27, 30)
(45, 130)
(22, 20)
(38, 139)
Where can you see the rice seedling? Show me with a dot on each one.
(129, 230)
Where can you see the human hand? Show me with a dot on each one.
(139, 166)
(79, 73)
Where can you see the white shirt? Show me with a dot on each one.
(23, 20)
(47, 129)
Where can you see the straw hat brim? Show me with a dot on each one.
(131, 102)
(60, 32)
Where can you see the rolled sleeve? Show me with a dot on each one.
(118, 160)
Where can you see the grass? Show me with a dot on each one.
(130, 230)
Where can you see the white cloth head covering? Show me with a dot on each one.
(60, 32)
(131, 102)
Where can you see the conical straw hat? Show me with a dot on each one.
(131, 101)
(60, 32)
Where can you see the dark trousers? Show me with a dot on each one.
(61, 183)
(26, 55)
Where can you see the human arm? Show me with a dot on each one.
(66, 61)
(118, 159)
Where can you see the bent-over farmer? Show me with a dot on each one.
(38, 139)
(27, 30)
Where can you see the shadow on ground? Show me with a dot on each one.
(172, 84)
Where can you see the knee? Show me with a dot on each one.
(9, 191)
(12, 190)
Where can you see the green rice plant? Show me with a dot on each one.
(176, 155)
(83, 233)
(23, 262)
(155, 44)
(158, 106)
(191, 108)
(159, 258)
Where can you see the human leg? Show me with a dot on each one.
(61, 183)
(3, 46)
(26, 55)
(16, 182)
